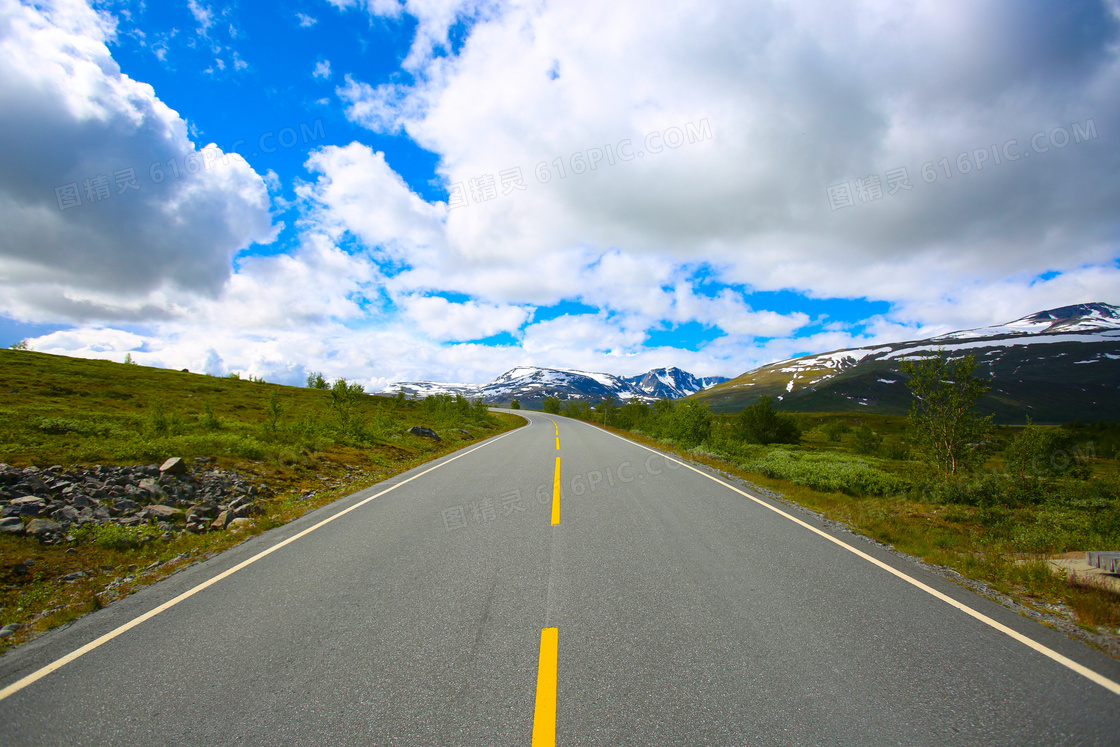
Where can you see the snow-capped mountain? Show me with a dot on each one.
(672, 382)
(1060, 364)
(531, 384)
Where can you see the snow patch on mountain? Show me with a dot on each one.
(535, 383)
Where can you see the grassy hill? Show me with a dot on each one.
(303, 447)
(1051, 382)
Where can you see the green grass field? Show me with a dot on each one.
(68, 411)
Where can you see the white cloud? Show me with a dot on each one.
(359, 192)
(203, 15)
(322, 69)
(799, 98)
(384, 109)
(306, 21)
(142, 239)
(443, 320)
(796, 98)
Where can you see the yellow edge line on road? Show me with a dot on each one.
(59, 663)
(544, 713)
(1065, 661)
(556, 494)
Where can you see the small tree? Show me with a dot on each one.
(551, 404)
(760, 423)
(21, 345)
(274, 412)
(515, 405)
(866, 441)
(1036, 454)
(942, 421)
(607, 410)
(315, 380)
(128, 359)
(690, 424)
(577, 408)
(835, 429)
(208, 420)
(344, 398)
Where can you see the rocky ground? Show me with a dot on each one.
(175, 497)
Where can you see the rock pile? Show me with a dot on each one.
(175, 497)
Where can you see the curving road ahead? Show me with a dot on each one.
(556, 585)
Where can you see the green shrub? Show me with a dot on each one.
(835, 429)
(826, 471)
(898, 449)
(58, 426)
(689, 424)
(759, 423)
(866, 441)
(62, 426)
(207, 419)
(115, 536)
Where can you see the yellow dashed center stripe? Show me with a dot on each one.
(544, 714)
(556, 494)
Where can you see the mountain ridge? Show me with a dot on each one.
(1056, 365)
(531, 384)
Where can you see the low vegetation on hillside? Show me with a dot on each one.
(304, 446)
(944, 484)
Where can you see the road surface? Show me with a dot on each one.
(499, 596)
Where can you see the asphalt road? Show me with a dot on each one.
(682, 612)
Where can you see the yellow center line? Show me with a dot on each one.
(544, 714)
(556, 494)
(558, 443)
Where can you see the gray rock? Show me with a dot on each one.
(66, 514)
(163, 513)
(223, 520)
(11, 525)
(124, 504)
(42, 527)
(418, 430)
(73, 576)
(151, 487)
(8, 629)
(83, 501)
(175, 466)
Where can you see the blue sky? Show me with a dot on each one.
(446, 190)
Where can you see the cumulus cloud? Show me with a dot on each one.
(799, 98)
(443, 320)
(110, 211)
(322, 69)
(656, 163)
